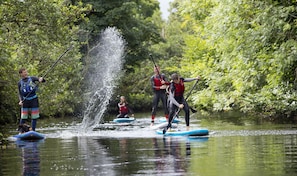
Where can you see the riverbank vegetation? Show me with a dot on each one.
(244, 51)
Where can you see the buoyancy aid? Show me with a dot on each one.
(28, 87)
(157, 81)
(179, 89)
(123, 109)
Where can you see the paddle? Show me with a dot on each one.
(52, 66)
(55, 63)
(156, 67)
(192, 109)
(176, 113)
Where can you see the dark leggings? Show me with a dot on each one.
(157, 96)
(174, 110)
(123, 115)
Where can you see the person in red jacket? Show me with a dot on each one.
(176, 98)
(159, 84)
(124, 108)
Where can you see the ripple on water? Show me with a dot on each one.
(220, 133)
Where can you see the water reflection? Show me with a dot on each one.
(30, 157)
(96, 157)
(128, 156)
(188, 148)
(266, 155)
(175, 159)
(172, 155)
(290, 151)
(124, 149)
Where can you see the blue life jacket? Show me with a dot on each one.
(28, 87)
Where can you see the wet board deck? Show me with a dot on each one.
(30, 135)
(173, 132)
(163, 125)
(124, 120)
(175, 120)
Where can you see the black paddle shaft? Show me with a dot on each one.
(192, 89)
(55, 63)
(52, 66)
(155, 66)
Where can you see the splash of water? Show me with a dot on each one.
(105, 64)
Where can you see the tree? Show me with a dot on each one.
(32, 35)
(134, 19)
(245, 51)
(139, 23)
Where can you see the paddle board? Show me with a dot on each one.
(124, 120)
(163, 125)
(175, 120)
(30, 135)
(174, 132)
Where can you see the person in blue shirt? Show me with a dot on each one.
(28, 98)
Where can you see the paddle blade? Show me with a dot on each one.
(164, 130)
(193, 110)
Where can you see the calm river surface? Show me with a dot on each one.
(229, 150)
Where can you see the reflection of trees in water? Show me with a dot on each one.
(128, 155)
(170, 156)
(125, 156)
(30, 157)
(188, 148)
(124, 150)
(98, 161)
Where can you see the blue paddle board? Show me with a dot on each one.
(173, 132)
(124, 120)
(30, 135)
(175, 120)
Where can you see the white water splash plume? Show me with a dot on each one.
(105, 64)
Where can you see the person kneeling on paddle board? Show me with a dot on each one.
(176, 99)
(124, 108)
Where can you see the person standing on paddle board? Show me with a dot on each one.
(159, 84)
(28, 98)
(124, 108)
(176, 98)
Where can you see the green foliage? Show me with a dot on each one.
(134, 19)
(33, 35)
(140, 24)
(136, 88)
(141, 102)
(245, 53)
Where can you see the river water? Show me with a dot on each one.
(90, 148)
(241, 150)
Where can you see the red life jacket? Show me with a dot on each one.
(179, 89)
(124, 109)
(157, 81)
